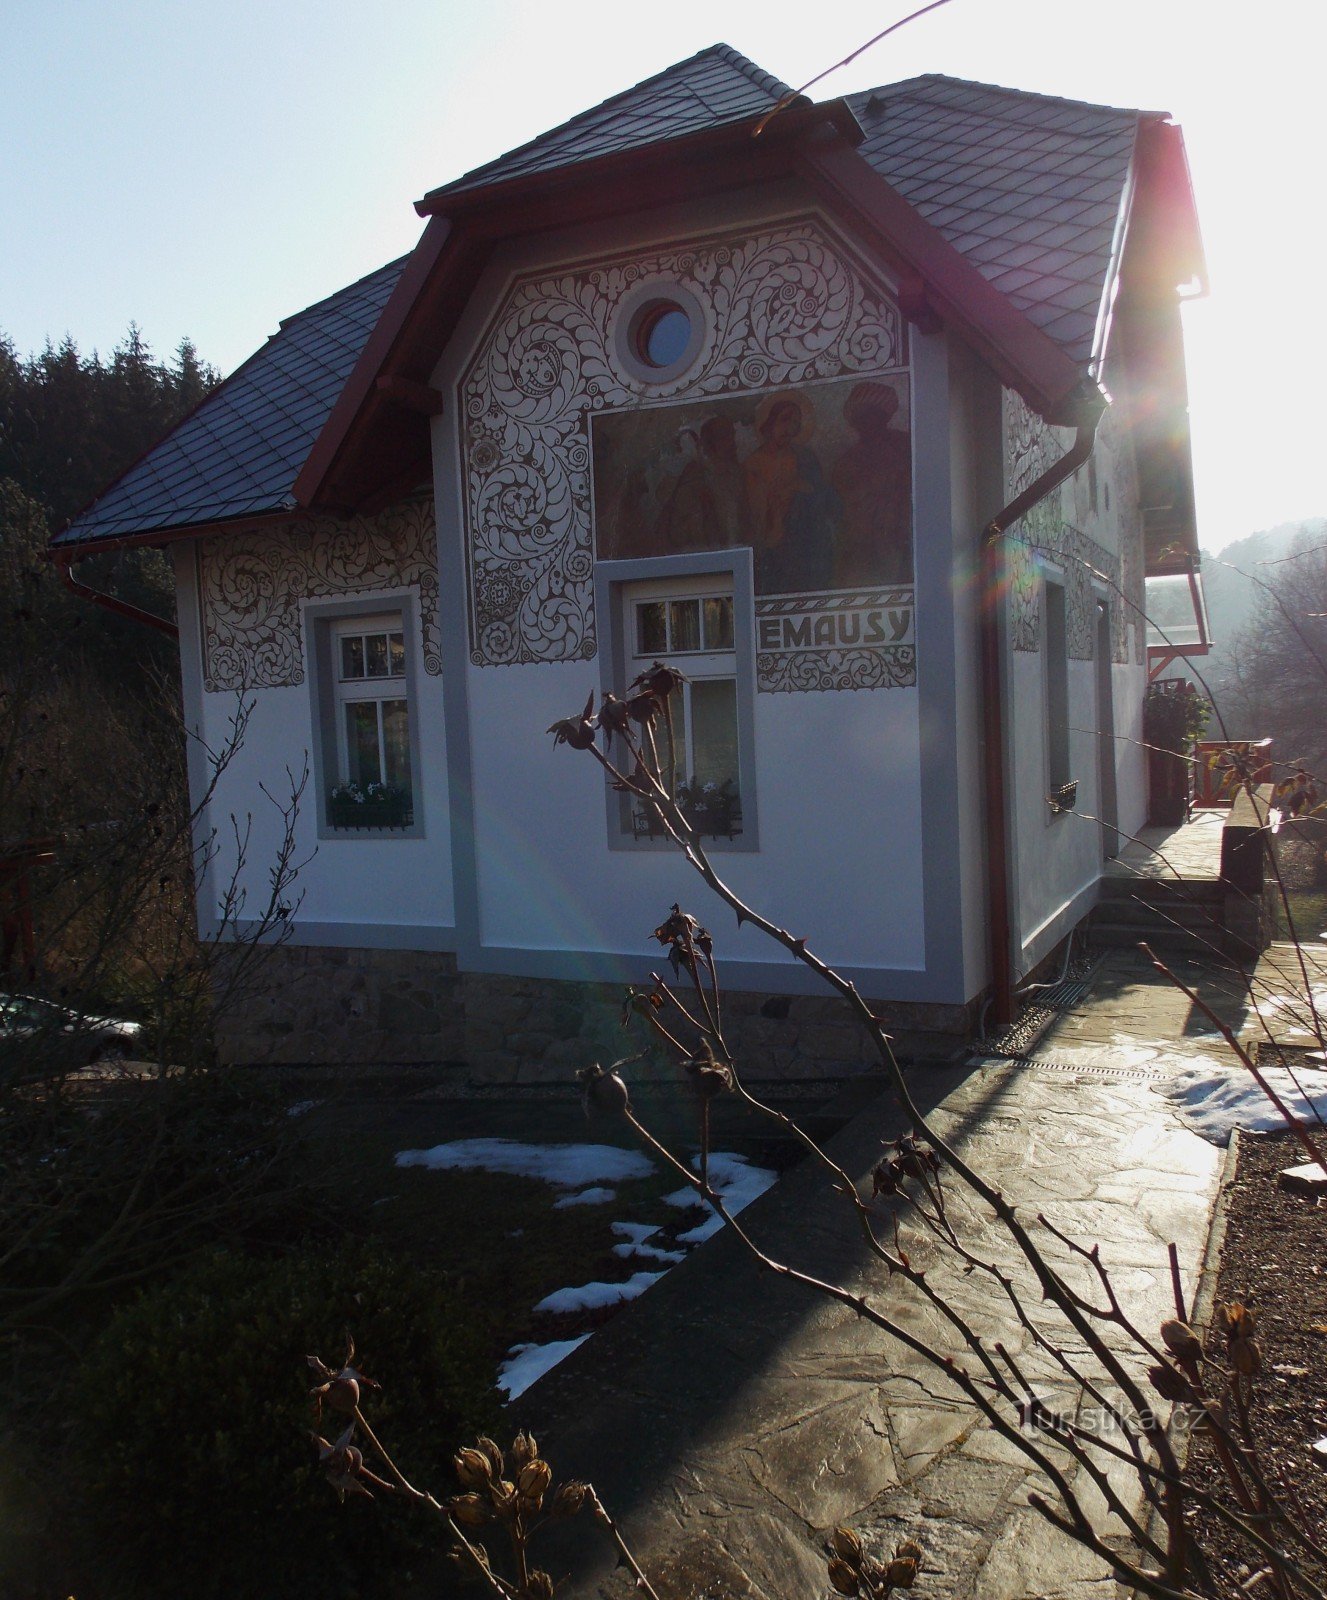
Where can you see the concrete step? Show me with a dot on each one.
(1164, 936)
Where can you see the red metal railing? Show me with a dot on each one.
(1221, 767)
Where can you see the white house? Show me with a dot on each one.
(869, 414)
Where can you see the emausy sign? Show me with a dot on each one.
(855, 639)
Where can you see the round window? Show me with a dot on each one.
(663, 332)
(660, 331)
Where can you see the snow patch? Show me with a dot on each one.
(734, 1180)
(651, 1251)
(526, 1363)
(594, 1296)
(567, 1166)
(596, 1196)
(1212, 1099)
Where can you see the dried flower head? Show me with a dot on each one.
(901, 1573)
(845, 1544)
(615, 718)
(578, 732)
(472, 1468)
(659, 680)
(494, 1455)
(538, 1586)
(340, 1389)
(469, 1510)
(845, 1578)
(709, 1076)
(343, 1466)
(533, 1481)
(569, 1499)
(523, 1451)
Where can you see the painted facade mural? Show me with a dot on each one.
(817, 480)
(250, 586)
(570, 452)
(1055, 527)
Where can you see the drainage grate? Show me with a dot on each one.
(1089, 1070)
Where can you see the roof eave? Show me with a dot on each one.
(63, 553)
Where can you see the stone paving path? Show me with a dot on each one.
(730, 1418)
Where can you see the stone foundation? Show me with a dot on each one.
(307, 1004)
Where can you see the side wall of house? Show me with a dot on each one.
(1076, 673)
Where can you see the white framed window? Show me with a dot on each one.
(366, 757)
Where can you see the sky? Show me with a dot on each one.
(204, 168)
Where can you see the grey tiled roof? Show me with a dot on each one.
(239, 453)
(715, 86)
(1026, 186)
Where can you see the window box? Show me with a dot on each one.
(349, 806)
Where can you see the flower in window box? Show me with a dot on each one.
(712, 808)
(369, 805)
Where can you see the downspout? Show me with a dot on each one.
(64, 561)
(991, 603)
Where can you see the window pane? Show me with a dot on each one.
(714, 730)
(684, 624)
(362, 742)
(719, 622)
(375, 659)
(651, 629)
(352, 657)
(397, 643)
(396, 742)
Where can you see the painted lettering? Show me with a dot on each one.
(769, 633)
(825, 630)
(796, 632)
(900, 621)
(850, 627)
(875, 628)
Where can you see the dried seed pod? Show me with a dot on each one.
(534, 1479)
(901, 1573)
(1180, 1339)
(909, 1550)
(844, 1578)
(603, 1091)
(1169, 1384)
(470, 1510)
(1237, 1321)
(523, 1451)
(885, 1177)
(1245, 1357)
(709, 1077)
(538, 1586)
(343, 1393)
(847, 1547)
(494, 1455)
(569, 1499)
(504, 1498)
(472, 1468)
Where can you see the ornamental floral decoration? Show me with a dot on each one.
(1055, 527)
(250, 586)
(781, 307)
